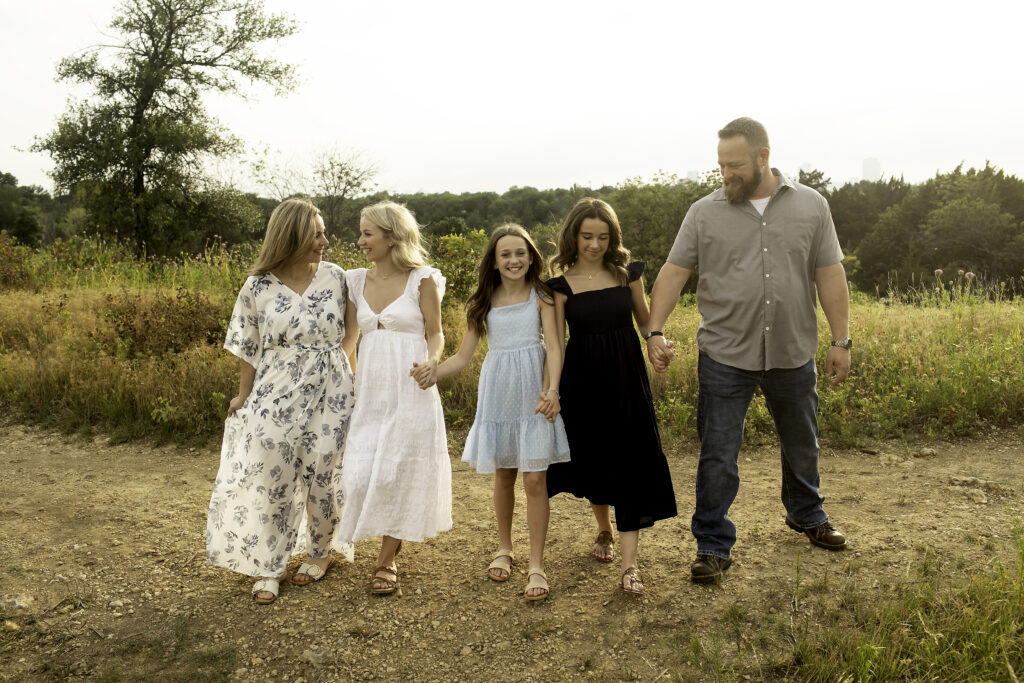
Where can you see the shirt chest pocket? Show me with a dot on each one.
(719, 250)
(798, 236)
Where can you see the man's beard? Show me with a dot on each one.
(738, 191)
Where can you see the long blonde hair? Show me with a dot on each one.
(291, 229)
(616, 258)
(401, 228)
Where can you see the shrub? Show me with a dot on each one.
(160, 323)
(458, 257)
(14, 273)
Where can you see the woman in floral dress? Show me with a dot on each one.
(294, 331)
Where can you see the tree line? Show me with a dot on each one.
(131, 161)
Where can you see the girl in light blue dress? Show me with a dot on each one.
(517, 425)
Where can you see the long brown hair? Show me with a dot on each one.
(292, 227)
(479, 303)
(615, 258)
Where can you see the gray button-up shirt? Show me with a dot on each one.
(755, 287)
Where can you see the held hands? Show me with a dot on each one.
(425, 374)
(837, 365)
(659, 351)
(548, 405)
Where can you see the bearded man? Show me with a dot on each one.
(761, 245)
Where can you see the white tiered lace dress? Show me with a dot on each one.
(397, 476)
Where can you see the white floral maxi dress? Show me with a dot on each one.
(283, 447)
(398, 478)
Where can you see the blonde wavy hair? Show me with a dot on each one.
(400, 226)
(290, 231)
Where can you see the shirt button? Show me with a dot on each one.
(765, 249)
(767, 302)
(764, 225)
(767, 328)
(766, 275)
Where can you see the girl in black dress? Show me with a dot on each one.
(617, 459)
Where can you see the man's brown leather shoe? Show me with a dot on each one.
(708, 568)
(824, 535)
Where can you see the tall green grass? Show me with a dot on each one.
(949, 621)
(92, 337)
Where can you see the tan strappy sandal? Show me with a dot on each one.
(541, 583)
(502, 561)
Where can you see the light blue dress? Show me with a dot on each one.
(506, 434)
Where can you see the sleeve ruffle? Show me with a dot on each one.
(558, 284)
(434, 274)
(354, 279)
(635, 270)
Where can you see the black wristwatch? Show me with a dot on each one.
(654, 333)
(842, 343)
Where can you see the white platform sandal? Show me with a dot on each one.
(265, 586)
(314, 572)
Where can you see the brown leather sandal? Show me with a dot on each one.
(635, 585)
(388, 586)
(605, 541)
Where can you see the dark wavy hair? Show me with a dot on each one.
(479, 303)
(615, 258)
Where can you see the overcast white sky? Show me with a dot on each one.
(469, 96)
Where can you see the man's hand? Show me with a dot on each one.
(837, 365)
(659, 351)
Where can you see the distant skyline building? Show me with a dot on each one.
(871, 170)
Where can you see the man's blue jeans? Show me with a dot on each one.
(724, 395)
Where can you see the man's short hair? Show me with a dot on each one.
(753, 131)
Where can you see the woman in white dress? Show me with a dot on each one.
(294, 331)
(397, 478)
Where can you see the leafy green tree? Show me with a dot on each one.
(971, 219)
(337, 180)
(25, 211)
(132, 153)
(856, 207)
(650, 213)
(450, 225)
(970, 233)
(815, 179)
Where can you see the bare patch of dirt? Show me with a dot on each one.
(102, 573)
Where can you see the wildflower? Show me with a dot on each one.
(937, 289)
(960, 272)
(938, 272)
(969, 275)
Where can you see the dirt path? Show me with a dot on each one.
(102, 573)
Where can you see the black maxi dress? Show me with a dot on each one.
(614, 444)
